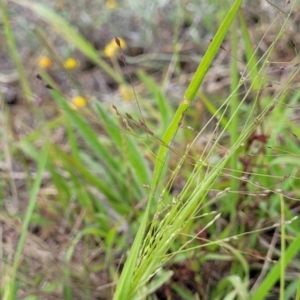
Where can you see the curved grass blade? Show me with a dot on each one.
(12, 289)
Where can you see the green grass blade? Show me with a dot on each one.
(88, 134)
(193, 88)
(125, 280)
(213, 110)
(114, 167)
(274, 274)
(252, 62)
(298, 290)
(56, 154)
(233, 127)
(137, 162)
(30, 208)
(282, 241)
(114, 198)
(12, 49)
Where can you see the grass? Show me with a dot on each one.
(132, 202)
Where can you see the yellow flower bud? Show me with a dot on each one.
(111, 49)
(126, 92)
(111, 4)
(78, 102)
(44, 62)
(71, 63)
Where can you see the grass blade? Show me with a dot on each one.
(137, 161)
(193, 88)
(31, 205)
(274, 274)
(12, 49)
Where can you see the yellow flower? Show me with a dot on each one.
(78, 102)
(44, 62)
(111, 4)
(71, 63)
(111, 49)
(126, 92)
